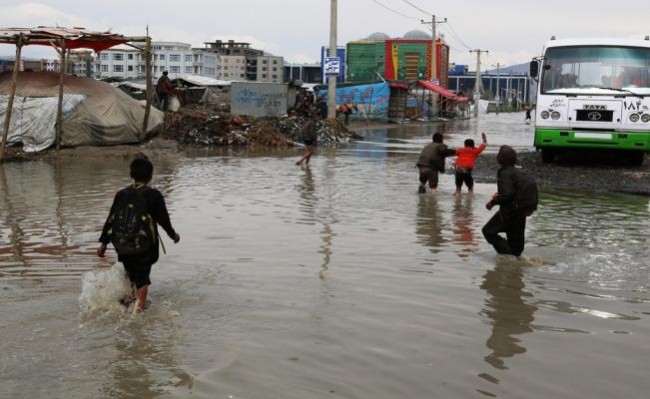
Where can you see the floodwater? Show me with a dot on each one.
(334, 281)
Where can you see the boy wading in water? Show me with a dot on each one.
(432, 161)
(309, 137)
(465, 161)
(132, 228)
(517, 199)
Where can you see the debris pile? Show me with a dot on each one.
(201, 129)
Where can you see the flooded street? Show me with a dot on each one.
(332, 281)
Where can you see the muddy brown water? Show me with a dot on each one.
(335, 281)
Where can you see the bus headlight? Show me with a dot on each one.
(544, 114)
(645, 118)
(634, 118)
(555, 115)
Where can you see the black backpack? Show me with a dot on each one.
(527, 196)
(132, 229)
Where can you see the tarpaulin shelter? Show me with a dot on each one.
(449, 101)
(63, 40)
(94, 112)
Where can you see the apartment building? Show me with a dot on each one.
(176, 58)
(239, 61)
(270, 69)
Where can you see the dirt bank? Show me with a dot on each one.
(583, 172)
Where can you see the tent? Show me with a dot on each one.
(94, 112)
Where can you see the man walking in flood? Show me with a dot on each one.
(432, 161)
(517, 199)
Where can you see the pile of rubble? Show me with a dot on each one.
(201, 129)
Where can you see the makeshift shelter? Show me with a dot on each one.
(94, 112)
(450, 103)
(203, 90)
(63, 40)
(399, 92)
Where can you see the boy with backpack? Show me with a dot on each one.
(465, 161)
(132, 228)
(517, 199)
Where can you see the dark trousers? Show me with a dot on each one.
(514, 228)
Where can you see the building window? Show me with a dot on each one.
(263, 61)
(264, 76)
(188, 57)
(118, 57)
(118, 68)
(275, 62)
(130, 68)
(189, 69)
(275, 76)
(174, 69)
(241, 76)
(264, 68)
(129, 56)
(275, 69)
(225, 74)
(226, 67)
(225, 60)
(162, 57)
(104, 68)
(174, 57)
(104, 56)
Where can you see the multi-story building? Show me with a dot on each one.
(257, 65)
(176, 58)
(270, 69)
(231, 67)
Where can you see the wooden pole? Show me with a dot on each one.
(149, 94)
(59, 112)
(10, 102)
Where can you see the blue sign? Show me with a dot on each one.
(332, 66)
(340, 53)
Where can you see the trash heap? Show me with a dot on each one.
(201, 129)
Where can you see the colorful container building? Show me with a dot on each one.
(403, 59)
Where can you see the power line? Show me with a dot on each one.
(393, 11)
(416, 7)
(456, 36)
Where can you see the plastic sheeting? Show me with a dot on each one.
(95, 113)
(33, 119)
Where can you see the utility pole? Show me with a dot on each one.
(434, 50)
(331, 88)
(477, 86)
(498, 96)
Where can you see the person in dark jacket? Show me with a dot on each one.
(138, 266)
(517, 199)
(432, 161)
(165, 90)
(309, 137)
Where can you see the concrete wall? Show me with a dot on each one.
(258, 99)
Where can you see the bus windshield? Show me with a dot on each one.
(597, 70)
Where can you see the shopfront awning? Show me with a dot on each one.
(441, 90)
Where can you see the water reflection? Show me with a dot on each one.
(507, 309)
(429, 223)
(464, 236)
(145, 365)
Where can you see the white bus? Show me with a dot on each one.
(593, 94)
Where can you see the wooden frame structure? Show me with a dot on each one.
(63, 40)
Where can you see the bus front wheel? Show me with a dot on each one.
(548, 155)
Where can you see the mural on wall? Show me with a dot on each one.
(259, 99)
(371, 100)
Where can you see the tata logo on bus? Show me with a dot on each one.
(594, 116)
(595, 108)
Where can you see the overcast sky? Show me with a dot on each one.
(512, 31)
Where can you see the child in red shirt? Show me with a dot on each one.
(466, 158)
